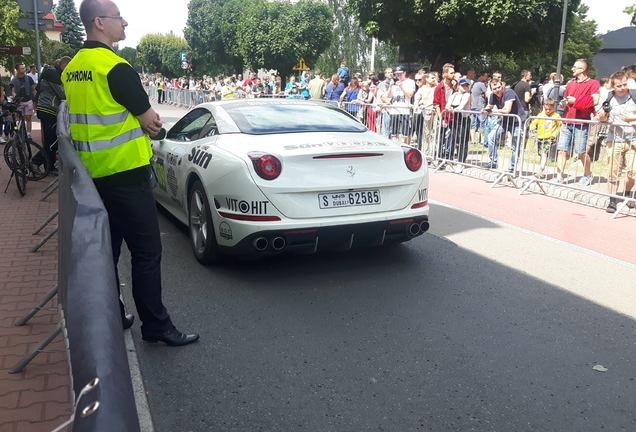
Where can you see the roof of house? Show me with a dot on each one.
(621, 39)
(56, 24)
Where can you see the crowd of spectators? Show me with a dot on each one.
(407, 104)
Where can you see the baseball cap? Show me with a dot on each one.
(398, 69)
(464, 81)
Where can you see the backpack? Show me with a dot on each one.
(610, 95)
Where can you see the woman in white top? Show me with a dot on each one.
(460, 124)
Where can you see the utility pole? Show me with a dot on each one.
(557, 81)
(36, 19)
(373, 41)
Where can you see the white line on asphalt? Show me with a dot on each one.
(143, 411)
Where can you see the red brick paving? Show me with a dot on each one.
(37, 399)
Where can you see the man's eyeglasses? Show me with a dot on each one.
(120, 18)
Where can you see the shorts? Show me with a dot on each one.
(573, 132)
(622, 155)
(26, 108)
(544, 145)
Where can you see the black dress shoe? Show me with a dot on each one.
(127, 321)
(172, 337)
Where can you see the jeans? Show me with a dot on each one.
(386, 124)
(477, 120)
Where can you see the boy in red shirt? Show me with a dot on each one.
(581, 96)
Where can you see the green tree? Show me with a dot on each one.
(211, 34)
(631, 11)
(448, 30)
(351, 44)
(73, 33)
(53, 50)
(10, 34)
(130, 54)
(581, 41)
(160, 53)
(276, 35)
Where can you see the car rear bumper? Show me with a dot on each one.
(339, 237)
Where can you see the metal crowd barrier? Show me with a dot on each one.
(548, 170)
(507, 148)
(499, 151)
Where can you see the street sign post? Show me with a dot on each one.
(29, 6)
(33, 9)
(301, 65)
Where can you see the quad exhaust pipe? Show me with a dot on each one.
(278, 243)
(424, 226)
(260, 243)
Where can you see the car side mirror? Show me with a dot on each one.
(159, 136)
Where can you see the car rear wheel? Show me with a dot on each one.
(201, 227)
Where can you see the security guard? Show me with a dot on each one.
(110, 120)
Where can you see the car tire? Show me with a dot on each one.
(201, 226)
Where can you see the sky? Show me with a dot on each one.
(163, 16)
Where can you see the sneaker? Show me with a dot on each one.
(585, 180)
(611, 206)
(557, 180)
(459, 169)
(539, 175)
(630, 204)
(491, 165)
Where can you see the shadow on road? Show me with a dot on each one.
(425, 336)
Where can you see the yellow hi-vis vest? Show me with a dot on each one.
(106, 136)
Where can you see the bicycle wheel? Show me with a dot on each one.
(10, 154)
(20, 180)
(38, 164)
(18, 161)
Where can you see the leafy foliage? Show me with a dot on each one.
(581, 42)
(351, 44)
(226, 35)
(160, 53)
(53, 50)
(130, 54)
(210, 33)
(73, 33)
(10, 34)
(631, 11)
(448, 30)
(275, 35)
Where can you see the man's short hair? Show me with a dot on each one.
(617, 76)
(582, 60)
(88, 10)
(446, 67)
(524, 73)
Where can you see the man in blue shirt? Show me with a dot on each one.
(334, 89)
(502, 101)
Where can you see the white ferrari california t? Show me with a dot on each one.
(264, 177)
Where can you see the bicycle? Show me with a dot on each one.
(24, 157)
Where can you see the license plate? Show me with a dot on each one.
(349, 199)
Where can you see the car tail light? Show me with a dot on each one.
(267, 166)
(412, 158)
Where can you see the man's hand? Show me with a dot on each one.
(150, 122)
(628, 117)
(571, 100)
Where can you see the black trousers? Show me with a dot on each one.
(49, 128)
(132, 216)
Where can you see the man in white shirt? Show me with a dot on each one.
(33, 73)
(399, 96)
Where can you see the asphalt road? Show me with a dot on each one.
(472, 327)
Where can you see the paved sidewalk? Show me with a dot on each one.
(37, 399)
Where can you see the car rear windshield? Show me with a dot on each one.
(276, 118)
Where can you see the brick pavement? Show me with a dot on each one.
(37, 399)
